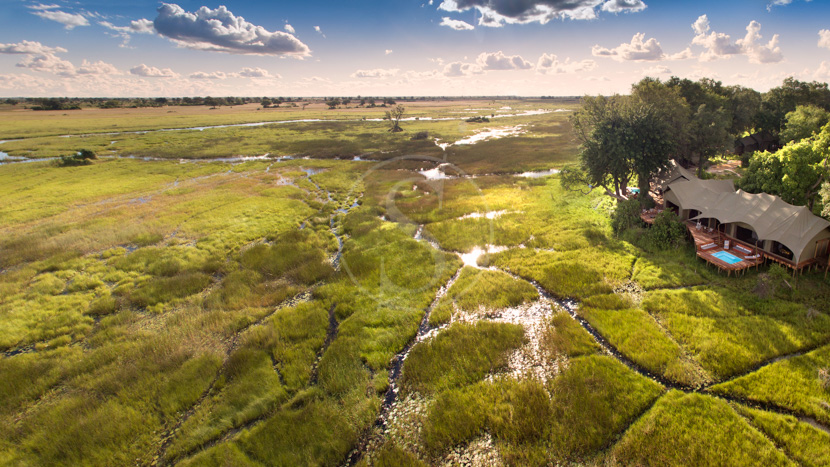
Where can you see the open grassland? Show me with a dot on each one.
(267, 312)
(693, 429)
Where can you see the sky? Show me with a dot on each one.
(99, 48)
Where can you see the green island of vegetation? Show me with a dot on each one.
(333, 283)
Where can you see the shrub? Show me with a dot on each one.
(82, 157)
(626, 216)
(420, 135)
(824, 378)
(667, 232)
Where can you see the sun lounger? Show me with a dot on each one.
(752, 257)
(743, 249)
(709, 246)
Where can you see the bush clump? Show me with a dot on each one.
(667, 231)
(626, 216)
(82, 157)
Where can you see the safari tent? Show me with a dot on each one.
(791, 235)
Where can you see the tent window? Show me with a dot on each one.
(781, 250)
(746, 235)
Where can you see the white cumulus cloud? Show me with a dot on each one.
(456, 24)
(97, 68)
(48, 63)
(289, 29)
(153, 72)
(217, 75)
(220, 30)
(375, 73)
(29, 47)
(720, 45)
(657, 70)
(500, 61)
(550, 63)
(68, 20)
(824, 38)
(639, 49)
(456, 69)
(256, 72)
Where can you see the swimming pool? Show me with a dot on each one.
(727, 258)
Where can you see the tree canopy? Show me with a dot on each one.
(803, 122)
(621, 137)
(796, 172)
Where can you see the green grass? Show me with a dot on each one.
(593, 401)
(665, 270)
(729, 331)
(803, 443)
(156, 297)
(481, 291)
(693, 429)
(579, 412)
(792, 383)
(565, 336)
(574, 274)
(460, 355)
(634, 333)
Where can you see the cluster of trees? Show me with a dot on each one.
(634, 136)
(798, 172)
(335, 102)
(75, 103)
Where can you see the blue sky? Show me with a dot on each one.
(401, 47)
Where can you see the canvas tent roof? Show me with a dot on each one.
(675, 172)
(770, 217)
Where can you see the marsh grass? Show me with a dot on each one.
(694, 429)
(565, 336)
(803, 443)
(573, 274)
(537, 424)
(482, 291)
(730, 331)
(460, 355)
(592, 402)
(637, 335)
(793, 383)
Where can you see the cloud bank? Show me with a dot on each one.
(220, 30)
(496, 13)
(720, 45)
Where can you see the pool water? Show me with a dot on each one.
(728, 258)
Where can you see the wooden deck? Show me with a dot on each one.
(703, 237)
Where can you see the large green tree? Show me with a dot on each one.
(599, 127)
(622, 137)
(803, 122)
(779, 101)
(796, 172)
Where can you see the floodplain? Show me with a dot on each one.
(298, 292)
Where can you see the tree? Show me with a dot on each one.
(648, 143)
(803, 122)
(795, 172)
(779, 101)
(598, 126)
(333, 102)
(709, 133)
(395, 116)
